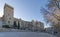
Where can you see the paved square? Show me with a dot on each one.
(24, 34)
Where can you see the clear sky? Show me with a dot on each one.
(25, 9)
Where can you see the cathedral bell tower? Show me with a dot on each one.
(8, 14)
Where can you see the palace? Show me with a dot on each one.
(9, 19)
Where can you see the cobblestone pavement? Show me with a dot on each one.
(24, 34)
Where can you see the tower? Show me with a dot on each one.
(8, 14)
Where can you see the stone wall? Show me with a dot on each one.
(1, 22)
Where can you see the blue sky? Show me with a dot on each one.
(25, 9)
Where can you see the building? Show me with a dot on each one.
(8, 15)
(51, 30)
(1, 22)
(9, 19)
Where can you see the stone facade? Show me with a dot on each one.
(1, 22)
(8, 18)
(8, 14)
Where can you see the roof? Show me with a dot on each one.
(6, 5)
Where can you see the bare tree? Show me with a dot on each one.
(52, 14)
(54, 3)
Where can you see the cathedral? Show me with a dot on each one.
(9, 19)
